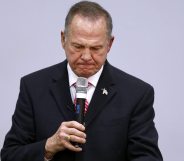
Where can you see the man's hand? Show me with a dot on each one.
(68, 132)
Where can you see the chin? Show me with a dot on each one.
(84, 74)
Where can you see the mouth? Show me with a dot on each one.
(85, 65)
(85, 70)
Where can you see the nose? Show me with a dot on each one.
(86, 55)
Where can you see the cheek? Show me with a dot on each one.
(72, 56)
(100, 58)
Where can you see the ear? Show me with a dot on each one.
(63, 39)
(110, 43)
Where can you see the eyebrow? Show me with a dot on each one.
(95, 46)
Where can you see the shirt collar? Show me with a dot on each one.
(73, 77)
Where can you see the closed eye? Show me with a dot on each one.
(95, 48)
(78, 46)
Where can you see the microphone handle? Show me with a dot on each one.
(80, 107)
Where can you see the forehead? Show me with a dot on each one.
(85, 29)
(87, 25)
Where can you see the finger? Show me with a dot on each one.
(64, 131)
(74, 124)
(76, 139)
(65, 143)
(71, 147)
(73, 131)
(67, 137)
(73, 138)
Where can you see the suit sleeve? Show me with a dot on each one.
(20, 142)
(143, 137)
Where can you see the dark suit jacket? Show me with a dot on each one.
(119, 126)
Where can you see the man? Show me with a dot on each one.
(119, 121)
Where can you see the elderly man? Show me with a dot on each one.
(119, 120)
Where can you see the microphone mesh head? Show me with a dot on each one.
(81, 85)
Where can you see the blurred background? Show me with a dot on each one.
(149, 44)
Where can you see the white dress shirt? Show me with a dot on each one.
(93, 80)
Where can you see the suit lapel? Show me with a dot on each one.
(61, 93)
(101, 98)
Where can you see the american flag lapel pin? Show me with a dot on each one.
(104, 91)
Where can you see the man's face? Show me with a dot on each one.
(86, 45)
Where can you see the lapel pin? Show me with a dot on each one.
(104, 91)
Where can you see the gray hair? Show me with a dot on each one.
(90, 10)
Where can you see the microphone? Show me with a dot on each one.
(81, 94)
